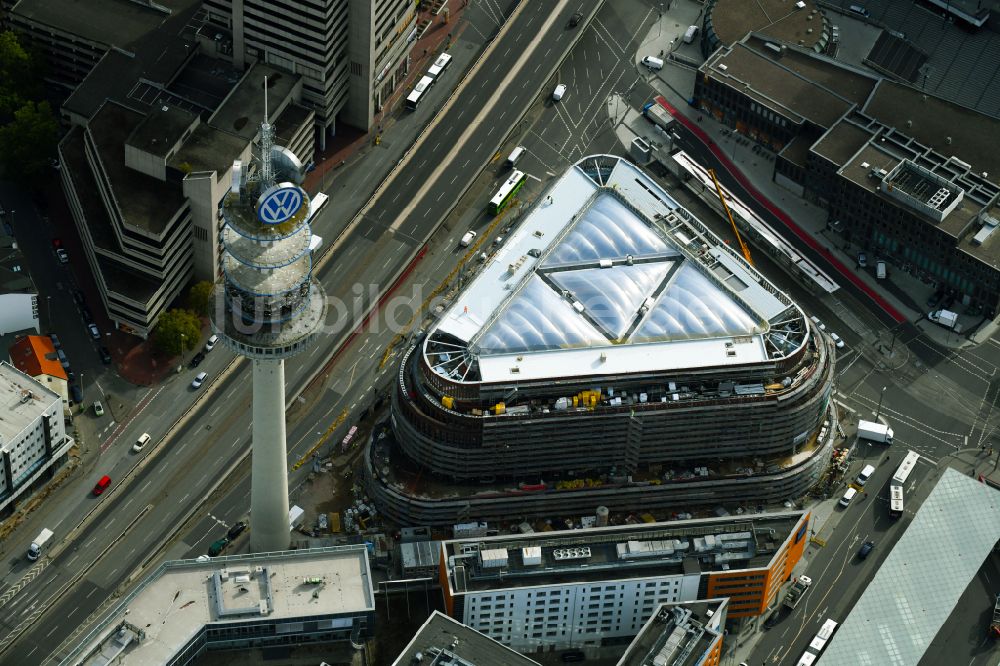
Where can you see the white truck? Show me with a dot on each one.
(35, 549)
(945, 318)
(690, 34)
(876, 432)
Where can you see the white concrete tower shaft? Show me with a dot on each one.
(269, 528)
(268, 307)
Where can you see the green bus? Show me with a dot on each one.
(507, 191)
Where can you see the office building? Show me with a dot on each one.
(351, 54)
(442, 641)
(145, 178)
(595, 586)
(37, 357)
(903, 174)
(18, 295)
(186, 608)
(612, 352)
(681, 634)
(33, 439)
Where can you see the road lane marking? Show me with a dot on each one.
(481, 118)
(91, 593)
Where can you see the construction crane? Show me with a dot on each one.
(743, 245)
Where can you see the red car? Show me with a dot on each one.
(102, 485)
(56, 243)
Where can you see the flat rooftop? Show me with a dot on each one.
(778, 19)
(179, 599)
(446, 642)
(91, 19)
(22, 400)
(242, 111)
(618, 552)
(841, 141)
(209, 149)
(801, 86)
(161, 130)
(146, 203)
(607, 275)
(946, 127)
(872, 154)
(681, 633)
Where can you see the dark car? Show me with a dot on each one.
(197, 359)
(236, 530)
(217, 547)
(575, 19)
(862, 259)
(87, 317)
(76, 393)
(105, 355)
(56, 243)
(865, 549)
(78, 297)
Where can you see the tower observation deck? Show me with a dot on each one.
(268, 307)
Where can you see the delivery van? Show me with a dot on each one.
(866, 474)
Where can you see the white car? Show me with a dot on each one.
(820, 325)
(468, 238)
(558, 93)
(212, 341)
(837, 340)
(199, 380)
(94, 333)
(141, 442)
(63, 256)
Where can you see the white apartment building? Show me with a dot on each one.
(579, 588)
(32, 433)
(351, 54)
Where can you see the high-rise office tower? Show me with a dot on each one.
(352, 54)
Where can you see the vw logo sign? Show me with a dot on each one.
(279, 203)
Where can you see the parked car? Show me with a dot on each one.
(87, 317)
(212, 341)
(79, 297)
(217, 547)
(862, 260)
(197, 359)
(98, 408)
(837, 340)
(55, 341)
(866, 548)
(575, 19)
(820, 325)
(62, 256)
(559, 92)
(236, 530)
(199, 380)
(105, 355)
(76, 393)
(94, 333)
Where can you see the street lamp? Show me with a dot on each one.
(880, 396)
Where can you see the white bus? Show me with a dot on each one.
(903, 473)
(807, 659)
(441, 64)
(423, 85)
(823, 636)
(317, 202)
(895, 501)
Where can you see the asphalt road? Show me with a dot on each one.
(134, 518)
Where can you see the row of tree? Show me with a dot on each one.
(29, 132)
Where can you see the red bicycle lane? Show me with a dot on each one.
(843, 270)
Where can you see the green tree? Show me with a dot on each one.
(20, 75)
(28, 142)
(177, 331)
(200, 297)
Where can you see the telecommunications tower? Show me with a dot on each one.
(268, 308)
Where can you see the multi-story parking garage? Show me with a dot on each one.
(613, 341)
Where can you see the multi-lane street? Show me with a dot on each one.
(938, 400)
(133, 520)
